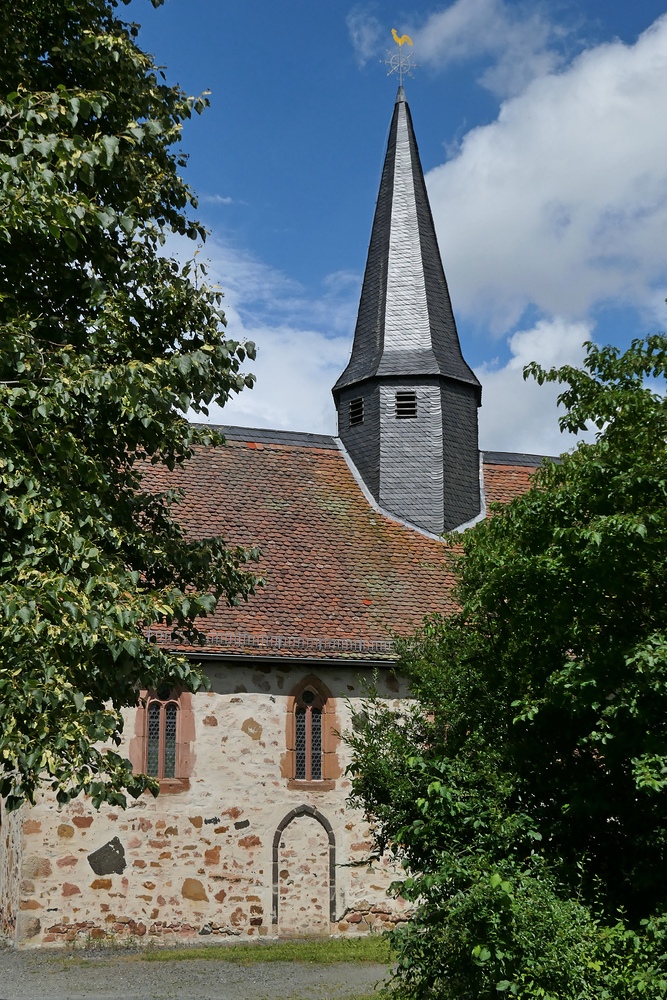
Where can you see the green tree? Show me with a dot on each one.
(526, 790)
(105, 343)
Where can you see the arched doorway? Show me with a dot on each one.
(304, 874)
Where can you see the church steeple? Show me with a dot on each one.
(407, 401)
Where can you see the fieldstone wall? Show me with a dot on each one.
(10, 872)
(211, 855)
(303, 878)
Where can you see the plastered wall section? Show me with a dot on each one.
(11, 828)
(237, 849)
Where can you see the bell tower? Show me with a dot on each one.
(407, 401)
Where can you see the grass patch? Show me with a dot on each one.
(326, 951)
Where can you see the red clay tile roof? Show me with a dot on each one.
(341, 578)
(503, 482)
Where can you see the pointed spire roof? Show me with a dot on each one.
(405, 324)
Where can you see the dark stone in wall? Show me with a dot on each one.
(108, 859)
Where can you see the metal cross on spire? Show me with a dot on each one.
(400, 61)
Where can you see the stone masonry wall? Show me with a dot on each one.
(214, 856)
(10, 871)
(303, 873)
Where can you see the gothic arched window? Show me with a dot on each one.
(308, 736)
(311, 736)
(161, 737)
(163, 740)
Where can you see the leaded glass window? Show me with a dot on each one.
(308, 737)
(301, 743)
(170, 740)
(153, 764)
(161, 729)
(316, 744)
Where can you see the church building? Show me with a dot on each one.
(251, 836)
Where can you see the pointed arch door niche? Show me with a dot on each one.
(304, 874)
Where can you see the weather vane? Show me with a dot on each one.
(400, 62)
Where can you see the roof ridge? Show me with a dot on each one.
(516, 458)
(268, 640)
(273, 436)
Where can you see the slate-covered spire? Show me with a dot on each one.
(407, 401)
(405, 324)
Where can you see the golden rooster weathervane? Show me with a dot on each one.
(400, 62)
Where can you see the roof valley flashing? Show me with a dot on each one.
(407, 401)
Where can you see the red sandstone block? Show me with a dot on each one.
(82, 821)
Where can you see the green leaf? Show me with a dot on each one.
(90, 311)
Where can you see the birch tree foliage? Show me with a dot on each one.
(105, 344)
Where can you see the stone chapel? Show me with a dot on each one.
(251, 836)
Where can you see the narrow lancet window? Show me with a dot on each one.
(301, 743)
(170, 713)
(153, 761)
(316, 744)
(308, 742)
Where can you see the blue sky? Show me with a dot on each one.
(542, 134)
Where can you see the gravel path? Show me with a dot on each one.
(39, 975)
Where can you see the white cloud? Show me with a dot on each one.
(561, 204)
(520, 415)
(366, 34)
(214, 199)
(520, 41)
(516, 41)
(303, 344)
(295, 371)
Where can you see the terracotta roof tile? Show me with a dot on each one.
(504, 482)
(341, 578)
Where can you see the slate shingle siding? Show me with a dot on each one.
(411, 473)
(460, 454)
(362, 441)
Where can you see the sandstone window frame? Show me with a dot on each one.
(323, 703)
(140, 744)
